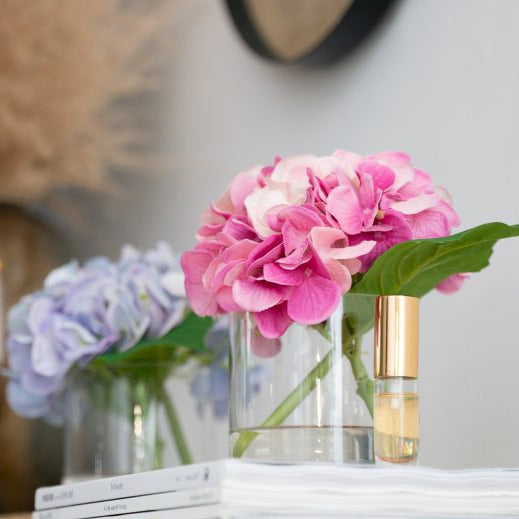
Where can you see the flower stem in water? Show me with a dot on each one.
(352, 350)
(176, 428)
(365, 386)
(291, 402)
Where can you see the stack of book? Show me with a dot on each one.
(240, 490)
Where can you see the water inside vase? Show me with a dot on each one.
(299, 444)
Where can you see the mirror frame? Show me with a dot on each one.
(357, 23)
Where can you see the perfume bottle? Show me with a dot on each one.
(396, 410)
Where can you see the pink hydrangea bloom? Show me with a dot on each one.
(284, 240)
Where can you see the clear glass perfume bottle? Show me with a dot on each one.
(396, 403)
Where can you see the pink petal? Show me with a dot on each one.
(368, 196)
(314, 300)
(353, 265)
(452, 284)
(222, 240)
(400, 163)
(273, 323)
(354, 251)
(194, 263)
(299, 222)
(274, 222)
(416, 204)
(323, 238)
(272, 255)
(293, 238)
(201, 301)
(429, 224)
(240, 250)
(296, 258)
(347, 161)
(400, 231)
(223, 207)
(210, 216)
(266, 171)
(448, 211)
(276, 274)
(301, 217)
(238, 229)
(340, 274)
(316, 265)
(211, 271)
(380, 227)
(392, 158)
(293, 170)
(209, 230)
(382, 175)
(264, 248)
(338, 269)
(258, 205)
(242, 186)
(237, 271)
(226, 300)
(419, 184)
(344, 205)
(263, 347)
(256, 296)
(223, 271)
(320, 188)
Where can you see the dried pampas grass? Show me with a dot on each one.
(65, 67)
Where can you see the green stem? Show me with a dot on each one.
(352, 350)
(159, 451)
(176, 428)
(291, 402)
(365, 386)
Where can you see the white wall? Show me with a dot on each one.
(440, 80)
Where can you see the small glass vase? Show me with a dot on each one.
(313, 399)
(122, 419)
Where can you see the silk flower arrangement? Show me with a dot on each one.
(286, 242)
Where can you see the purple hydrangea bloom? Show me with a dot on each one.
(156, 280)
(83, 312)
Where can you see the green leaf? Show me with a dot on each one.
(180, 343)
(358, 315)
(190, 333)
(415, 267)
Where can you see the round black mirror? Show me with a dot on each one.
(305, 31)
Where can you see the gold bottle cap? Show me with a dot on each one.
(396, 336)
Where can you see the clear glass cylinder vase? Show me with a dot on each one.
(307, 396)
(123, 419)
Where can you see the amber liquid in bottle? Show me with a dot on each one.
(396, 420)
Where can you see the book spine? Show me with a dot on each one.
(131, 505)
(196, 512)
(131, 485)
